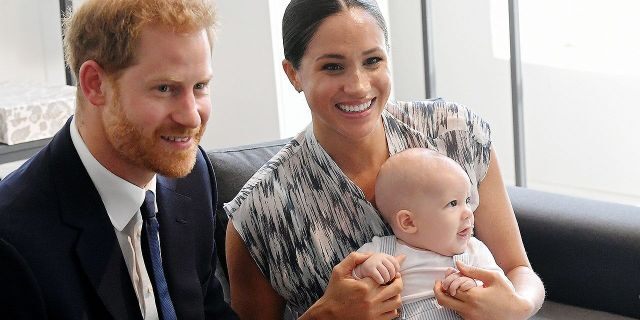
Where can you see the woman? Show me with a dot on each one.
(312, 205)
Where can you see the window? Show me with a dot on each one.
(581, 82)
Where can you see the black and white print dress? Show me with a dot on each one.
(300, 215)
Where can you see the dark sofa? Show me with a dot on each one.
(586, 252)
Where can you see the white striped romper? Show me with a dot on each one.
(420, 270)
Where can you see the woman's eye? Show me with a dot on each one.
(332, 67)
(373, 60)
(453, 203)
(200, 86)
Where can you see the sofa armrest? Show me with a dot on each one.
(587, 252)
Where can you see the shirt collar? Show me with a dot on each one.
(121, 199)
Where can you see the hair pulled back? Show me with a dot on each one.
(303, 17)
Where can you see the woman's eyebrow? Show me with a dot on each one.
(330, 56)
(339, 56)
(370, 51)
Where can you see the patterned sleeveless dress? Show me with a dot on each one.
(300, 215)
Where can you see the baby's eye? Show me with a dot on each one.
(468, 200)
(453, 203)
(332, 67)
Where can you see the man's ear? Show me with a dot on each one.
(292, 74)
(91, 80)
(404, 221)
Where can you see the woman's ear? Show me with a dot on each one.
(404, 221)
(292, 74)
(91, 79)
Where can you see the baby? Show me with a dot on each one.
(426, 199)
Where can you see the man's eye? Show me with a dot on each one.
(200, 86)
(163, 88)
(332, 67)
(453, 203)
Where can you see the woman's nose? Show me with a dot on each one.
(358, 84)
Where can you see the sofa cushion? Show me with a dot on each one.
(233, 168)
(559, 311)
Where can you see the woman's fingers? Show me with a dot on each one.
(484, 275)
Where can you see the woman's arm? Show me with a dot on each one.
(497, 227)
(252, 297)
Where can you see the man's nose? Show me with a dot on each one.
(187, 111)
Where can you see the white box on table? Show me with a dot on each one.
(31, 112)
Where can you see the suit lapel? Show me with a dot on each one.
(173, 217)
(97, 248)
(178, 245)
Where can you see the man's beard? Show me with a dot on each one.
(144, 151)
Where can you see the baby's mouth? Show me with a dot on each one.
(466, 232)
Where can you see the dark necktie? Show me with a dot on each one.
(151, 226)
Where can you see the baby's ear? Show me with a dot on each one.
(404, 221)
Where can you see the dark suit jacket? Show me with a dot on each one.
(54, 222)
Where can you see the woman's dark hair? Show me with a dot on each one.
(303, 17)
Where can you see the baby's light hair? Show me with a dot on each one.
(401, 179)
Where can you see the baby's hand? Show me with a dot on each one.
(454, 281)
(380, 267)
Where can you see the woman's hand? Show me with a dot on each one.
(497, 299)
(349, 298)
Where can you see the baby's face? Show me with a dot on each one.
(444, 218)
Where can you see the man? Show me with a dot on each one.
(113, 219)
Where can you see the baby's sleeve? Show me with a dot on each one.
(373, 246)
(482, 257)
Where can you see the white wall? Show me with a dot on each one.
(31, 42)
(244, 96)
(582, 133)
(405, 24)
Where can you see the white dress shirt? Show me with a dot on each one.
(122, 200)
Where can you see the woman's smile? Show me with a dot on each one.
(355, 108)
